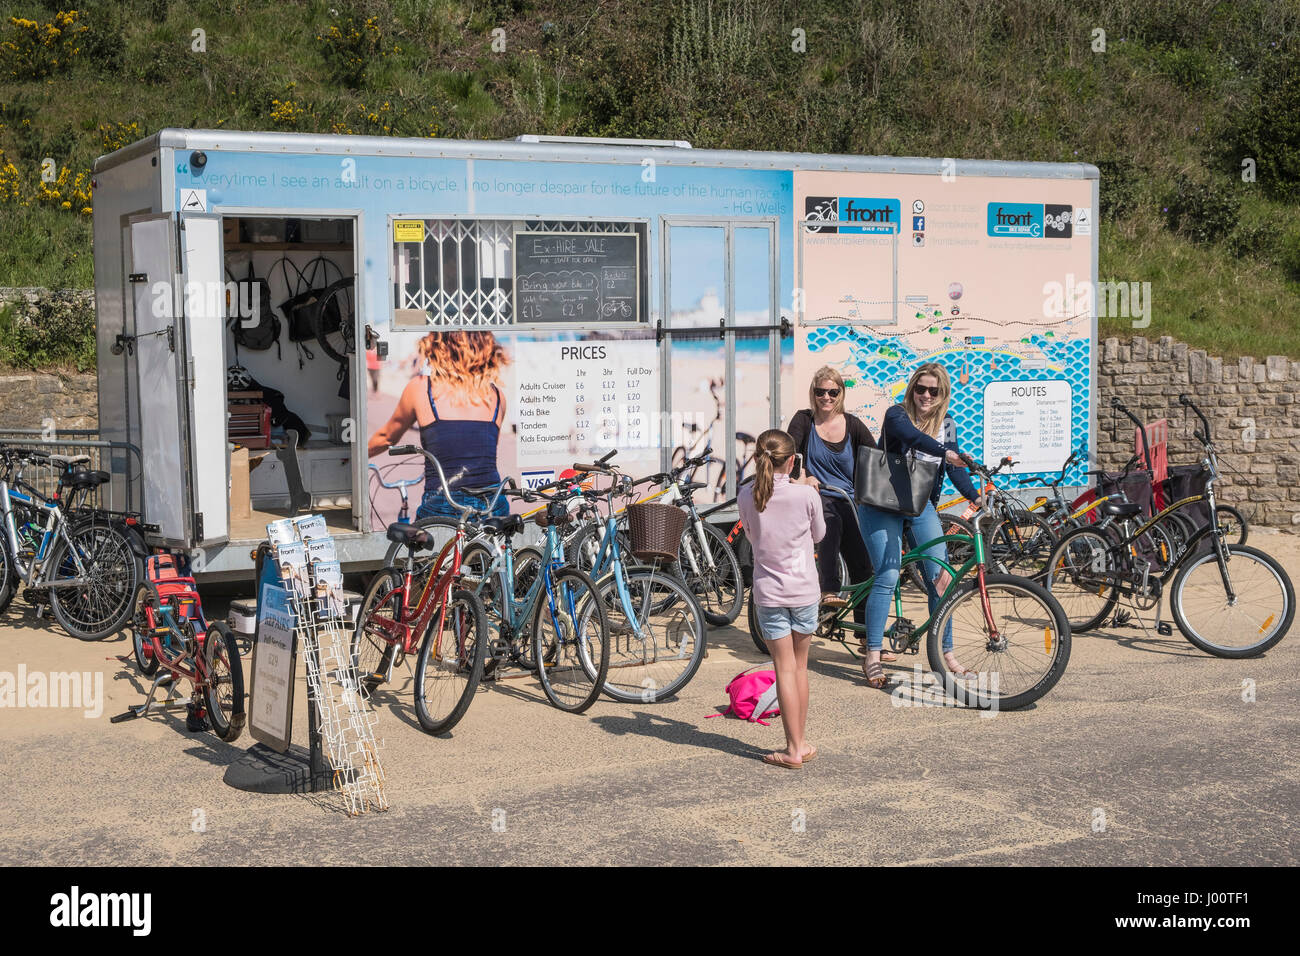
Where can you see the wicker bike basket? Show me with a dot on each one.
(656, 530)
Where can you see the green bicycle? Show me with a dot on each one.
(1009, 633)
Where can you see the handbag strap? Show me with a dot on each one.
(284, 262)
(324, 265)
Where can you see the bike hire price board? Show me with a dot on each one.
(577, 277)
(270, 707)
(571, 397)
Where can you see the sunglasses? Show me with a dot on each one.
(933, 392)
(827, 392)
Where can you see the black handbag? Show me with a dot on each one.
(893, 482)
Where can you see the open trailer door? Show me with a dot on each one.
(178, 296)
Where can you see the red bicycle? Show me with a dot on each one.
(414, 605)
(171, 633)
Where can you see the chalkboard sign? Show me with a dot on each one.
(577, 277)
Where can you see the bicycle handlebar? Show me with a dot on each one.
(400, 450)
(1206, 438)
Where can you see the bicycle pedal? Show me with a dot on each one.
(1164, 629)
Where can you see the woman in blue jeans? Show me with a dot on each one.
(921, 423)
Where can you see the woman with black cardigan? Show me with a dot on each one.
(829, 438)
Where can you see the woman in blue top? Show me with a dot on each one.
(921, 423)
(458, 407)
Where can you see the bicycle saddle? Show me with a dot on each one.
(68, 461)
(410, 536)
(694, 486)
(1119, 509)
(507, 524)
(84, 478)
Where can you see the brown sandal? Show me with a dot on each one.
(875, 674)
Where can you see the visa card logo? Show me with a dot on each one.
(852, 215)
(535, 479)
(1015, 219)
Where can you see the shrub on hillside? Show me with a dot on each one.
(1203, 210)
(57, 329)
(1269, 128)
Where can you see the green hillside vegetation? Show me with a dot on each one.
(1185, 90)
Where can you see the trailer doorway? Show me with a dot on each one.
(292, 408)
(723, 380)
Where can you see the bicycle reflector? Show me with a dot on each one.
(1047, 639)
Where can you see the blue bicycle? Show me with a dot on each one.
(657, 626)
(548, 615)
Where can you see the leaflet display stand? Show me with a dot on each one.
(300, 609)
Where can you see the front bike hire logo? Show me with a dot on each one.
(1015, 220)
(76, 909)
(849, 215)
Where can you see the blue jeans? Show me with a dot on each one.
(434, 502)
(883, 533)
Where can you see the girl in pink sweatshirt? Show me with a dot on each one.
(783, 520)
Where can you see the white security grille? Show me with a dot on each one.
(462, 275)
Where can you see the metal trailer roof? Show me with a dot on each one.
(579, 151)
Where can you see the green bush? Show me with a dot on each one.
(1288, 252)
(56, 330)
(1269, 128)
(1118, 188)
(1203, 210)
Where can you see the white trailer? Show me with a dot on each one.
(644, 296)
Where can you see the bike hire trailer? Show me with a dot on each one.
(571, 297)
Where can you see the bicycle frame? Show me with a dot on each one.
(402, 631)
(55, 527)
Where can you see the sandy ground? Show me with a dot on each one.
(1145, 753)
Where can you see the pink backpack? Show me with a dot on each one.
(753, 696)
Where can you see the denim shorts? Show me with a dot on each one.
(778, 622)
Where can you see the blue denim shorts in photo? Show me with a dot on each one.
(778, 622)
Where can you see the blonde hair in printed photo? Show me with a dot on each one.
(931, 423)
(823, 374)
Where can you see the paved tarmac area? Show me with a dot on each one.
(1144, 753)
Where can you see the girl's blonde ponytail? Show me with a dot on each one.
(773, 450)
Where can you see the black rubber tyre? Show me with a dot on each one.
(104, 605)
(371, 653)
(674, 641)
(1078, 555)
(1035, 623)
(224, 692)
(337, 341)
(8, 576)
(751, 618)
(719, 589)
(528, 562)
(142, 647)
(454, 655)
(1255, 575)
(572, 668)
(1237, 528)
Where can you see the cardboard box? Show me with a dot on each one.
(240, 505)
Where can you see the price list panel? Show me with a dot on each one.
(574, 397)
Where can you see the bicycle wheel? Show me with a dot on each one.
(751, 619)
(1083, 569)
(1257, 618)
(1019, 660)
(715, 580)
(451, 663)
(334, 321)
(583, 547)
(528, 562)
(1020, 544)
(571, 641)
(1232, 523)
(142, 643)
(371, 650)
(8, 577)
(223, 691)
(1156, 547)
(101, 556)
(657, 640)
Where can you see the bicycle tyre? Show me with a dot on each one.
(1234, 516)
(463, 612)
(112, 563)
(346, 329)
(371, 652)
(1061, 578)
(1050, 618)
(715, 582)
(528, 561)
(1020, 544)
(582, 548)
(225, 715)
(146, 661)
(584, 607)
(1237, 552)
(8, 575)
(755, 632)
(630, 674)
